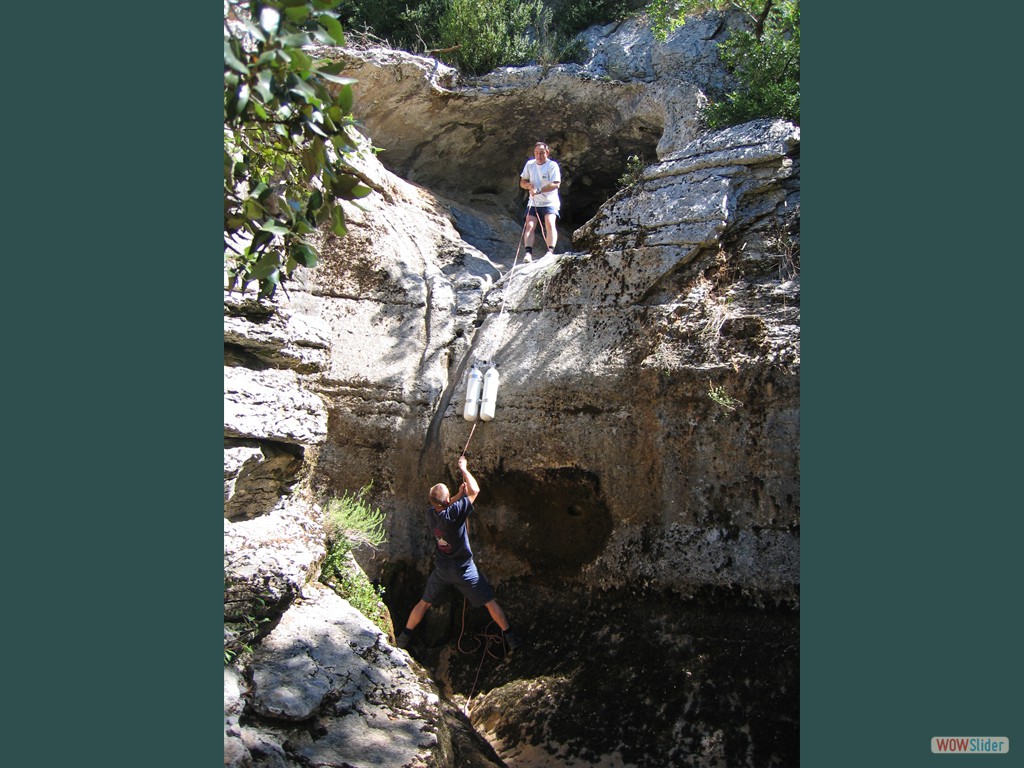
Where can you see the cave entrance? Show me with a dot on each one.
(489, 213)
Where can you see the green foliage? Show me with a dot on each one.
(361, 593)
(351, 522)
(486, 35)
(404, 24)
(289, 136)
(666, 15)
(553, 46)
(573, 16)
(768, 71)
(239, 636)
(765, 60)
(720, 396)
(635, 167)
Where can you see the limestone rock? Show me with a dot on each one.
(265, 334)
(256, 476)
(271, 405)
(467, 138)
(268, 560)
(328, 690)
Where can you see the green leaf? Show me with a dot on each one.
(298, 14)
(322, 36)
(252, 209)
(296, 40)
(333, 28)
(302, 88)
(274, 228)
(348, 188)
(259, 241)
(316, 200)
(301, 61)
(343, 142)
(315, 128)
(338, 221)
(230, 60)
(308, 159)
(337, 80)
(243, 97)
(269, 286)
(304, 255)
(340, 186)
(253, 30)
(264, 82)
(333, 68)
(267, 265)
(345, 98)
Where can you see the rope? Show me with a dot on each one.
(504, 297)
(470, 438)
(519, 245)
(486, 639)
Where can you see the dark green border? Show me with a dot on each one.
(112, 315)
(909, 415)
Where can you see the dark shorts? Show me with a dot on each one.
(465, 578)
(542, 210)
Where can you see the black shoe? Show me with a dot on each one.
(512, 641)
(404, 639)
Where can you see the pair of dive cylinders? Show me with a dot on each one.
(481, 393)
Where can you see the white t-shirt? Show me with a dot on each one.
(540, 176)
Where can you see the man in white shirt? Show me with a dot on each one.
(541, 177)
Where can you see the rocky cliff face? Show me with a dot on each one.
(639, 513)
(467, 138)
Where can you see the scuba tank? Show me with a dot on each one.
(474, 382)
(490, 393)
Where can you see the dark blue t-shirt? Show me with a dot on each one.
(449, 529)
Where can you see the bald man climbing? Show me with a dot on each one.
(453, 558)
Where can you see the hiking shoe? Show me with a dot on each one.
(404, 639)
(512, 640)
(549, 253)
(528, 257)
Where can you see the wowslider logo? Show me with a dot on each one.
(970, 745)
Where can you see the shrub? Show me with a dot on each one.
(573, 16)
(350, 523)
(635, 167)
(767, 70)
(489, 34)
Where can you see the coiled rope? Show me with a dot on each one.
(486, 640)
